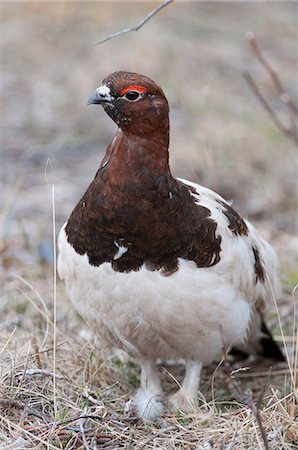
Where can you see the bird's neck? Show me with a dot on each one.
(131, 158)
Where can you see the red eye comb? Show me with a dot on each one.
(134, 87)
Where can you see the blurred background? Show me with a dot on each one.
(220, 134)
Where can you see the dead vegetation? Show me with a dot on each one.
(57, 391)
(85, 403)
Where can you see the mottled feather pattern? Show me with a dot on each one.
(236, 223)
(162, 268)
(259, 269)
(146, 221)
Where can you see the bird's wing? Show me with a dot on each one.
(239, 234)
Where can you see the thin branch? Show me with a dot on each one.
(290, 131)
(256, 410)
(246, 399)
(27, 409)
(139, 25)
(36, 372)
(54, 300)
(82, 423)
(284, 96)
(157, 434)
(287, 131)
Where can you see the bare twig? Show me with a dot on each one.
(263, 373)
(158, 433)
(245, 397)
(36, 372)
(20, 442)
(74, 419)
(276, 81)
(29, 434)
(139, 25)
(47, 350)
(287, 131)
(54, 300)
(81, 424)
(93, 400)
(256, 408)
(290, 132)
(27, 409)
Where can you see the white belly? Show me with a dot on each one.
(193, 313)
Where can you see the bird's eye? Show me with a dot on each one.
(132, 95)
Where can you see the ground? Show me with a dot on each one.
(51, 145)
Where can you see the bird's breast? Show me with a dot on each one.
(156, 228)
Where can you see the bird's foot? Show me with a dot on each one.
(182, 402)
(148, 405)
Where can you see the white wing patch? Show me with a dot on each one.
(120, 252)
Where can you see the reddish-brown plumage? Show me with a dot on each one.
(134, 201)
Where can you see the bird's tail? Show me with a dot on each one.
(260, 343)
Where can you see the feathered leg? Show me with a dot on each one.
(185, 397)
(148, 400)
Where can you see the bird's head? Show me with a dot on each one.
(134, 102)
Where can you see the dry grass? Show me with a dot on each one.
(82, 404)
(56, 390)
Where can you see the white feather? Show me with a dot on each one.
(193, 314)
(120, 252)
(104, 91)
(148, 405)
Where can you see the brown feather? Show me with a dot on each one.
(134, 201)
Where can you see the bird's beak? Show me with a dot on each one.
(100, 95)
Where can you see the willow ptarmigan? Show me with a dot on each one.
(162, 268)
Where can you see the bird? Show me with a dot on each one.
(159, 267)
